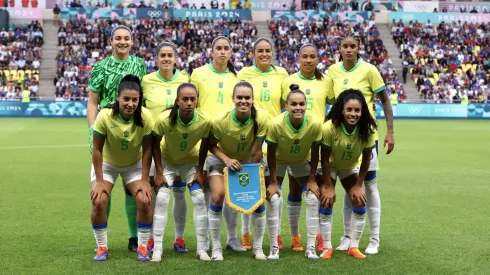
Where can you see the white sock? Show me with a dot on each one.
(373, 205)
(179, 212)
(312, 219)
(346, 215)
(144, 233)
(200, 216)
(153, 203)
(214, 217)
(231, 219)
(207, 198)
(259, 222)
(294, 212)
(160, 217)
(281, 206)
(100, 234)
(326, 222)
(273, 219)
(358, 222)
(245, 223)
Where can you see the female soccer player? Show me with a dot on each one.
(215, 82)
(313, 83)
(237, 136)
(348, 134)
(124, 129)
(103, 86)
(290, 138)
(353, 72)
(182, 127)
(266, 80)
(159, 93)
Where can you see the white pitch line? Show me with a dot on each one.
(48, 146)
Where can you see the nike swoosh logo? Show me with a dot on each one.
(114, 126)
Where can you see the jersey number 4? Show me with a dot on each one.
(220, 97)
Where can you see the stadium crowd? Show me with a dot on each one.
(82, 42)
(324, 34)
(20, 55)
(448, 62)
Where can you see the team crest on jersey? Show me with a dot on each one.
(220, 85)
(126, 134)
(349, 146)
(169, 91)
(307, 91)
(242, 137)
(264, 84)
(296, 141)
(185, 135)
(345, 81)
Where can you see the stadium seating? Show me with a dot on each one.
(20, 55)
(447, 60)
(290, 35)
(82, 42)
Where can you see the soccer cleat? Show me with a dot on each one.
(344, 244)
(274, 253)
(151, 245)
(319, 239)
(259, 254)
(142, 254)
(179, 245)
(297, 243)
(311, 253)
(235, 245)
(354, 252)
(327, 253)
(373, 247)
(217, 254)
(279, 241)
(157, 256)
(246, 240)
(101, 254)
(133, 244)
(203, 255)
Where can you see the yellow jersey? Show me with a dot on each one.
(159, 93)
(363, 76)
(236, 139)
(293, 145)
(267, 87)
(181, 143)
(215, 89)
(346, 149)
(123, 139)
(315, 91)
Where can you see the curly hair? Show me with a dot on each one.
(367, 124)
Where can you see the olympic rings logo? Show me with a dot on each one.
(414, 110)
(421, 6)
(154, 13)
(408, 17)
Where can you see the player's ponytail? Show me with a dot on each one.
(230, 67)
(174, 110)
(253, 110)
(130, 82)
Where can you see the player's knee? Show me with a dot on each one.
(311, 199)
(101, 203)
(198, 200)
(217, 197)
(162, 199)
(275, 199)
(359, 210)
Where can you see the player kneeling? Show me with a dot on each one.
(346, 136)
(124, 130)
(182, 127)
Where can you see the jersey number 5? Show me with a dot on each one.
(124, 144)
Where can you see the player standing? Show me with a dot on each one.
(237, 136)
(120, 133)
(159, 93)
(103, 84)
(349, 134)
(290, 138)
(353, 72)
(181, 152)
(215, 82)
(266, 80)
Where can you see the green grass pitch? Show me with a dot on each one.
(434, 192)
